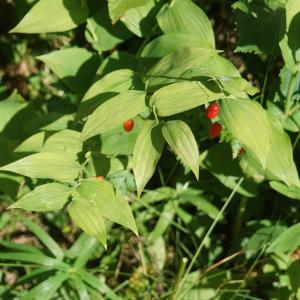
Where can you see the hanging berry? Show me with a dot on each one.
(128, 125)
(242, 150)
(215, 130)
(213, 111)
(100, 178)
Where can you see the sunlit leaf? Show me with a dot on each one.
(182, 141)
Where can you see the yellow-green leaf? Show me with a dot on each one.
(114, 112)
(248, 122)
(182, 141)
(147, 151)
(178, 97)
(88, 217)
(53, 16)
(47, 197)
(184, 16)
(52, 165)
(171, 67)
(111, 206)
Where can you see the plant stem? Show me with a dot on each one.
(238, 222)
(263, 92)
(290, 93)
(180, 274)
(177, 295)
(142, 257)
(296, 141)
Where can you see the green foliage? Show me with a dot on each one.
(65, 95)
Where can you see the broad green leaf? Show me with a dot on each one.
(76, 67)
(52, 165)
(171, 67)
(114, 112)
(147, 151)
(178, 97)
(110, 205)
(102, 34)
(184, 16)
(182, 141)
(292, 192)
(120, 142)
(105, 88)
(141, 20)
(118, 8)
(88, 217)
(53, 16)
(168, 43)
(258, 26)
(219, 162)
(14, 111)
(47, 197)
(65, 140)
(164, 221)
(288, 241)
(47, 288)
(45, 238)
(290, 39)
(280, 160)
(263, 237)
(247, 121)
(10, 107)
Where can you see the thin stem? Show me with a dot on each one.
(177, 295)
(155, 115)
(262, 96)
(161, 176)
(290, 94)
(142, 257)
(296, 141)
(180, 274)
(172, 172)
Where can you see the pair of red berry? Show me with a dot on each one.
(215, 128)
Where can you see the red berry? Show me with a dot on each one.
(100, 177)
(242, 150)
(212, 110)
(215, 130)
(128, 125)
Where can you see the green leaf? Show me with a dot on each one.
(76, 67)
(47, 288)
(147, 152)
(290, 39)
(168, 43)
(182, 141)
(120, 142)
(45, 238)
(288, 241)
(219, 162)
(141, 20)
(103, 89)
(171, 67)
(110, 205)
(184, 16)
(118, 8)
(53, 16)
(169, 99)
(33, 258)
(164, 221)
(292, 192)
(258, 26)
(51, 165)
(280, 160)
(102, 34)
(244, 119)
(47, 197)
(114, 112)
(88, 217)
(65, 140)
